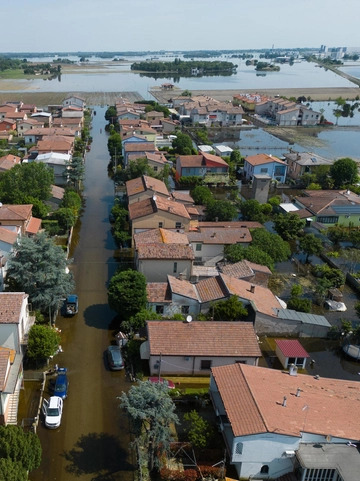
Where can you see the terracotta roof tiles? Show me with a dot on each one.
(291, 348)
(145, 183)
(10, 307)
(177, 338)
(182, 287)
(15, 212)
(158, 292)
(165, 251)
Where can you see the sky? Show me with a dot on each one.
(151, 25)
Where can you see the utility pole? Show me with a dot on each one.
(159, 368)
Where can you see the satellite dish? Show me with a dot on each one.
(154, 197)
(328, 438)
(188, 319)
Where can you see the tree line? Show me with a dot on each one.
(181, 67)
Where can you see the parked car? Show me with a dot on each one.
(52, 410)
(71, 305)
(116, 361)
(61, 383)
(161, 380)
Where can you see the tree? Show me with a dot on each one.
(75, 172)
(43, 342)
(33, 179)
(200, 430)
(139, 320)
(20, 453)
(252, 210)
(111, 115)
(137, 168)
(186, 93)
(71, 200)
(39, 209)
(221, 210)
(182, 145)
(296, 290)
(310, 245)
(288, 226)
(352, 256)
(127, 293)
(300, 305)
(114, 145)
(272, 244)
(235, 156)
(39, 267)
(231, 309)
(202, 195)
(344, 171)
(236, 253)
(335, 277)
(65, 218)
(151, 413)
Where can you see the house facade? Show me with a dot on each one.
(74, 101)
(203, 165)
(57, 162)
(15, 216)
(145, 187)
(212, 344)
(300, 163)
(264, 164)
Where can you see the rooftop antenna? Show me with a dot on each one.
(189, 319)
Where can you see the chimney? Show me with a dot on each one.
(252, 289)
(169, 209)
(180, 276)
(298, 391)
(216, 219)
(213, 235)
(284, 402)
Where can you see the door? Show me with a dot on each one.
(45, 406)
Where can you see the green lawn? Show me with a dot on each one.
(17, 73)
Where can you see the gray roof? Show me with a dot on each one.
(346, 209)
(302, 317)
(345, 459)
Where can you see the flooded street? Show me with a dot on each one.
(92, 442)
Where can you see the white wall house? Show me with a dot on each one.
(57, 163)
(266, 415)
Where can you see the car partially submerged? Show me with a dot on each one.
(61, 383)
(52, 410)
(71, 305)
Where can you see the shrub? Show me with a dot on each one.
(300, 305)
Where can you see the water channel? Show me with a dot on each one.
(92, 442)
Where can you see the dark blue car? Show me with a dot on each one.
(61, 383)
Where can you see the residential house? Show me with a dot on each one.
(157, 212)
(249, 101)
(300, 163)
(209, 244)
(28, 108)
(72, 112)
(179, 100)
(36, 134)
(58, 163)
(157, 160)
(154, 118)
(261, 164)
(287, 113)
(193, 348)
(28, 124)
(19, 216)
(183, 197)
(145, 187)
(168, 126)
(18, 116)
(8, 236)
(6, 110)
(290, 352)
(208, 111)
(74, 101)
(44, 117)
(8, 161)
(271, 421)
(74, 124)
(144, 132)
(15, 323)
(330, 207)
(208, 166)
(59, 144)
(161, 252)
(57, 194)
(7, 124)
(128, 114)
(138, 148)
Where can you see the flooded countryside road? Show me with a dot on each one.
(93, 441)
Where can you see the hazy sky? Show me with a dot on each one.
(130, 25)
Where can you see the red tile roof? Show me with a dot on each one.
(221, 236)
(160, 236)
(291, 348)
(10, 306)
(33, 226)
(211, 289)
(253, 397)
(212, 339)
(139, 147)
(8, 236)
(145, 183)
(182, 287)
(15, 212)
(165, 251)
(260, 159)
(158, 292)
(150, 206)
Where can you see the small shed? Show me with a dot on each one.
(290, 351)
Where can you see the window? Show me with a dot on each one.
(177, 225)
(185, 309)
(291, 360)
(299, 361)
(264, 469)
(198, 247)
(160, 225)
(239, 448)
(240, 362)
(263, 170)
(159, 309)
(175, 267)
(205, 365)
(155, 169)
